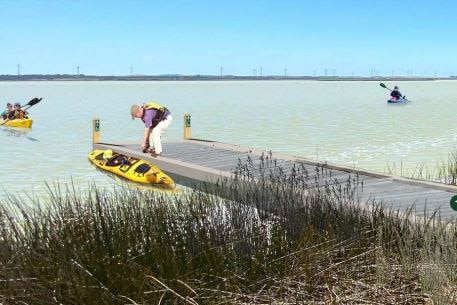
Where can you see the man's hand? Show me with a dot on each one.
(144, 146)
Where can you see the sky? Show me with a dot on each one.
(236, 37)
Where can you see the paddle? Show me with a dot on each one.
(384, 86)
(32, 102)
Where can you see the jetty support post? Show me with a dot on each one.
(95, 130)
(187, 128)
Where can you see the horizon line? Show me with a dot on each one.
(215, 77)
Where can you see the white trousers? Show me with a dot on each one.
(156, 133)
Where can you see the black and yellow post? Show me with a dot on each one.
(96, 130)
(187, 129)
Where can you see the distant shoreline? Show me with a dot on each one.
(81, 77)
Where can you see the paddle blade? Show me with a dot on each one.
(34, 101)
(382, 85)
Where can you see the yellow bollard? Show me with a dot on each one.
(187, 129)
(96, 130)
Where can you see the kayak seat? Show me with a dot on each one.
(127, 164)
(142, 168)
(99, 157)
(115, 160)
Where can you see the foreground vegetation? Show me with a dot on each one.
(282, 239)
(445, 171)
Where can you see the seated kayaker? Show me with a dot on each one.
(17, 112)
(396, 94)
(9, 108)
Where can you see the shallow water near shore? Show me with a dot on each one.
(347, 123)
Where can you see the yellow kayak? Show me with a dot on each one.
(21, 123)
(130, 168)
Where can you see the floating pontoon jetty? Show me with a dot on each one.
(193, 161)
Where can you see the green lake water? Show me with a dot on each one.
(347, 123)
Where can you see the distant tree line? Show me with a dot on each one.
(179, 77)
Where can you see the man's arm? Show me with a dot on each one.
(147, 132)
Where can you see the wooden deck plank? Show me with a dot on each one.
(420, 199)
(185, 156)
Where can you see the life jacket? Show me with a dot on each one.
(17, 114)
(161, 111)
(396, 94)
(107, 154)
(152, 105)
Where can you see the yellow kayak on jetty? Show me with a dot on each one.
(20, 123)
(130, 168)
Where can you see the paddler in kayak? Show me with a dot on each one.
(17, 112)
(156, 119)
(396, 94)
(9, 108)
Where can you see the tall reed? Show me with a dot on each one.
(445, 171)
(271, 236)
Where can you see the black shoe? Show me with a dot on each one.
(153, 154)
(147, 149)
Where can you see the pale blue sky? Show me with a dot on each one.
(198, 37)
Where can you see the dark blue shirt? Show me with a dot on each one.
(395, 93)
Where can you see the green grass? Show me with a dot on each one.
(282, 239)
(445, 171)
